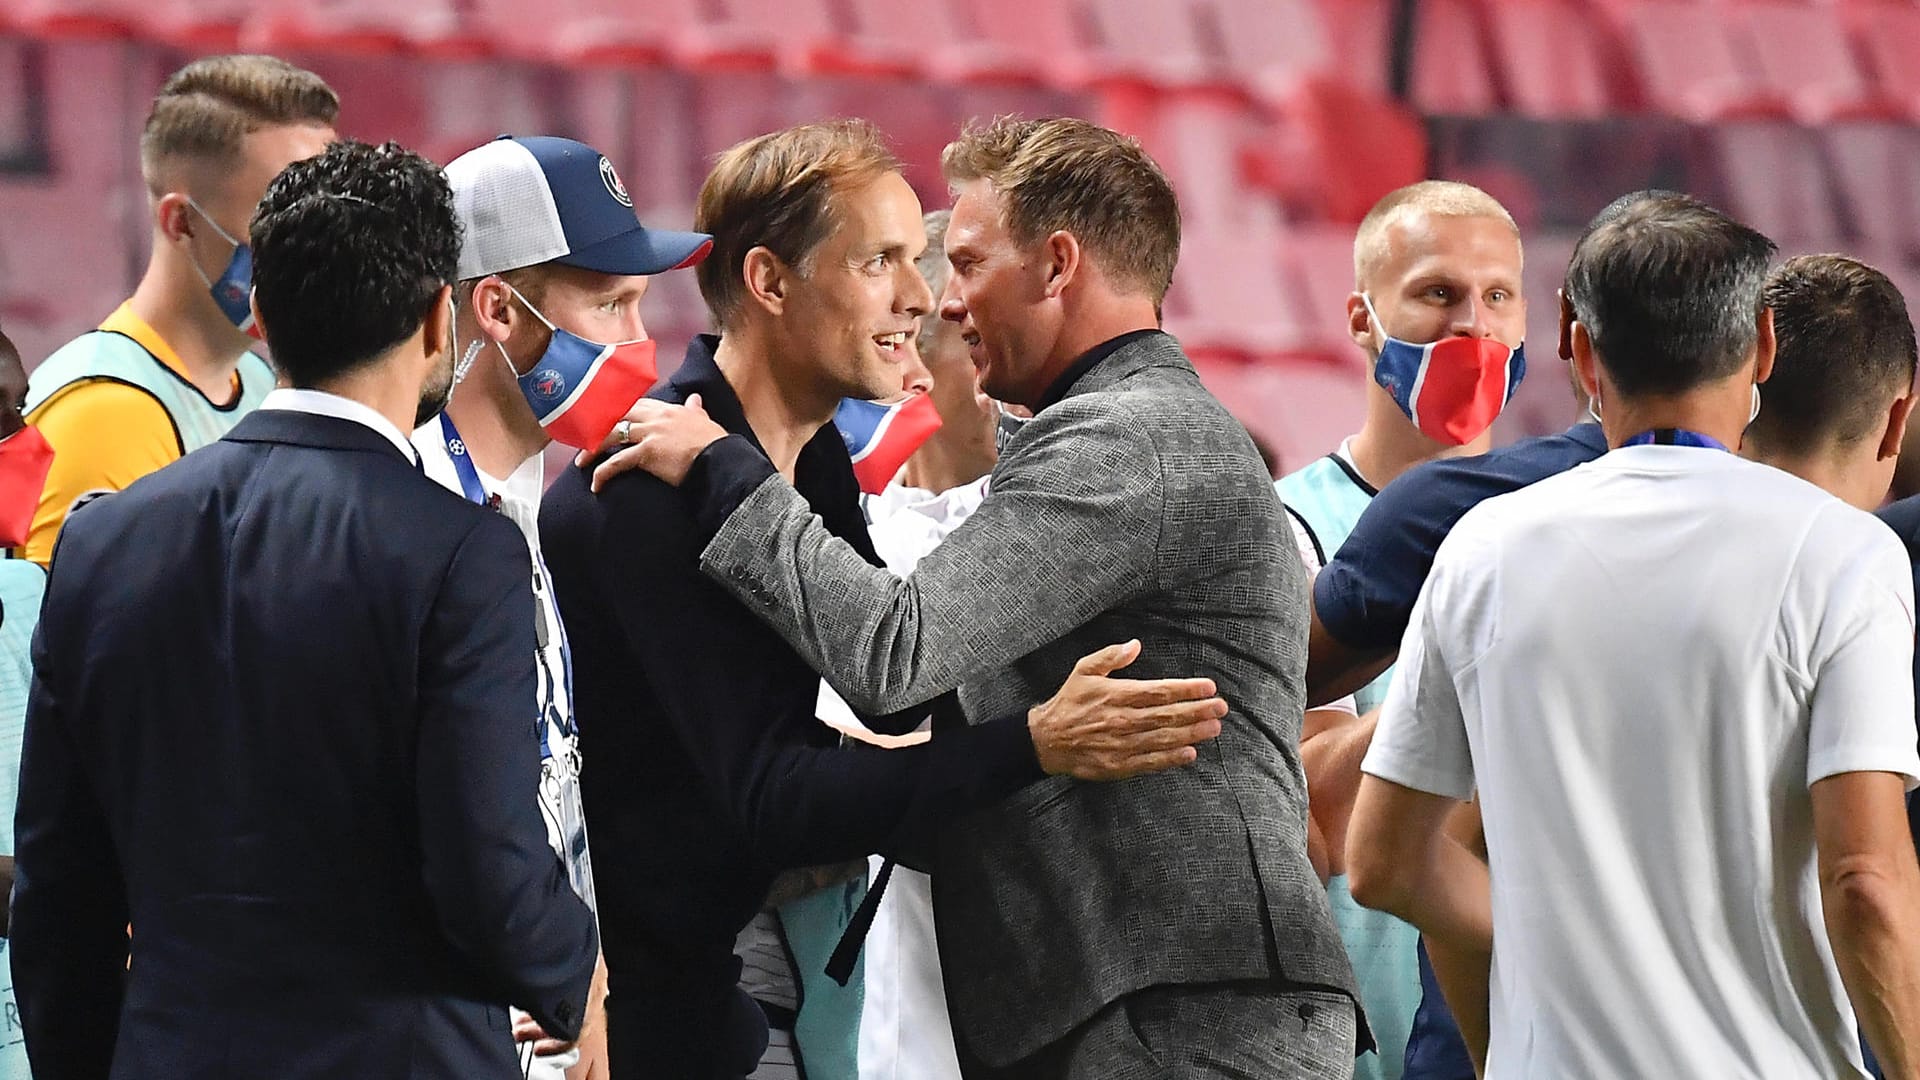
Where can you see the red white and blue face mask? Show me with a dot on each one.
(1452, 389)
(233, 292)
(880, 438)
(579, 389)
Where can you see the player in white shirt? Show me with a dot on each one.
(553, 263)
(1678, 682)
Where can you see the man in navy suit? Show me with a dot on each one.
(279, 715)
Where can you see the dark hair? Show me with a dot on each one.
(1845, 351)
(349, 249)
(1669, 291)
(1062, 173)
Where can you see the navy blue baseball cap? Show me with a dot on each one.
(523, 201)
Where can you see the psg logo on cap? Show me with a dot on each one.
(549, 384)
(614, 187)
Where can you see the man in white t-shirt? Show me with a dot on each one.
(553, 263)
(1677, 681)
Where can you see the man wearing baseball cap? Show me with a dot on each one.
(549, 347)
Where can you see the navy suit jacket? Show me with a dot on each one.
(281, 723)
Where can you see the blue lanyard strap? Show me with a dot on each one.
(463, 464)
(1668, 436)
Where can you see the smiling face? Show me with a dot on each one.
(853, 312)
(998, 297)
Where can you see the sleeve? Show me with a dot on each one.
(105, 435)
(1861, 708)
(1071, 529)
(1420, 740)
(1365, 594)
(69, 926)
(799, 803)
(501, 893)
(1310, 554)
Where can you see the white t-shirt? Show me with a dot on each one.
(1643, 664)
(559, 793)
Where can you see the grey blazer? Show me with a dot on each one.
(1134, 507)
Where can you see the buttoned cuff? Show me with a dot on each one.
(721, 478)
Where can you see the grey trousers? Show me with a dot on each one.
(1207, 1031)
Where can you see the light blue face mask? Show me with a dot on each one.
(233, 292)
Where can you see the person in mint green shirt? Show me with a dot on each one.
(1437, 307)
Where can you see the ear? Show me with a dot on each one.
(1063, 258)
(437, 328)
(173, 216)
(768, 279)
(1359, 322)
(1897, 415)
(1586, 366)
(253, 304)
(1566, 324)
(492, 307)
(1763, 346)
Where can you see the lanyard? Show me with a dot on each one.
(1667, 436)
(463, 464)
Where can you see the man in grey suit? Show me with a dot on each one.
(1169, 925)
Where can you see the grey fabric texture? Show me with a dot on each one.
(1217, 1031)
(1135, 507)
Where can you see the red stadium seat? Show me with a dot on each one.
(1803, 54)
(1322, 261)
(1888, 35)
(1271, 46)
(1877, 167)
(1689, 66)
(1152, 43)
(1339, 149)
(1362, 36)
(1552, 58)
(77, 19)
(1042, 36)
(1234, 295)
(1776, 182)
(1301, 405)
(751, 35)
(1451, 66)
(352, 26)
(934, 39)
(1205, 147)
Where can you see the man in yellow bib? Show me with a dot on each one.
(171, 370)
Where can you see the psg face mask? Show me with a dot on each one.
(233, 291)
(880, 438)
(1452, 389)
(579, 389)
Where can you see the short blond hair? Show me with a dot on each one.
(1064, 174)
(777, 191)
(1438, 198)
(205, 110)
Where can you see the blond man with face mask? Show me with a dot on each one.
(171, 370)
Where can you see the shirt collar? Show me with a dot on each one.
(1086, 363)
(321, 403)
(1589, 434)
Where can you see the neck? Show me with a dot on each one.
(1827, 469)
(785, 414)
(185, 317)
(953, 456)
(1094, 320)
(495, 423)
(1388, 444)
(378, 386)
(1714, 411)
